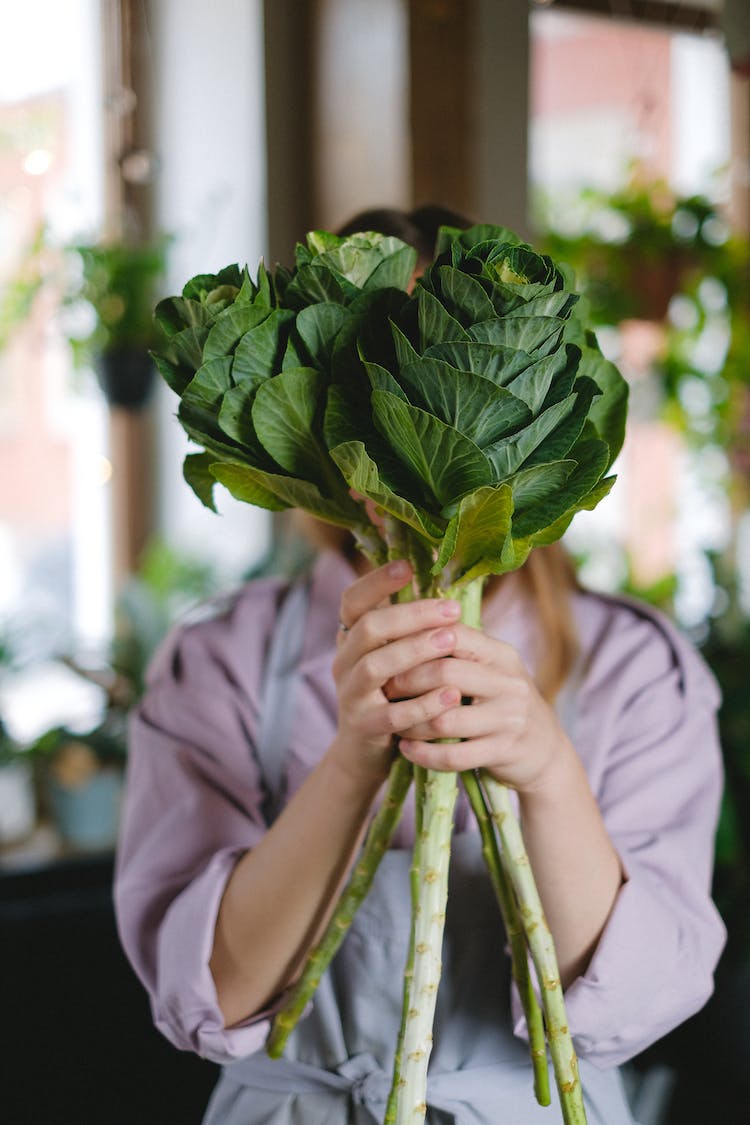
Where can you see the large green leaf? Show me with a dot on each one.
(531, 486)
(559, 442)
(230, 326)
(195, 470)
(175, 376)
(348, 418)
(557, 304)
(318, 326)
(394, 272)
(367, 333)
(175, 313)
(591, 463)
(284, 414)
(537, 335)
(609, 411)
(271, 490)
(491, 361)
(204, 285)
(210, 382)
(405, 352)
(315, 284)
(235, 414)
(382, 380)
(507, 455)
(260, 351)
(435, 322)
(463, 296)
(476, 535)
(557, 529)
(358, 259)
(200, 424)
(361, 474)
(186, 347)
(532, 386)
(469, 403)
(448, 463)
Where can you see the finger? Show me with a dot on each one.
(396, 717)
(473, 644)
(374, 588)
(375, 666)
(393, 622)
(452, 756)
(476, 721)
(479, 681)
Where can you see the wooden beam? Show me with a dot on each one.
(441, 97)
(128, 214)
(680, 17)
(288, 35)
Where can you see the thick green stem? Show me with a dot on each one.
(392, 1107)
(514, 929)
(542, 950)
(378, 837)
(437, 797)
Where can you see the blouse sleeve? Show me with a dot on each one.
(648, 735)
(193, 806)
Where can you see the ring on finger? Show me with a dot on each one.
(343, 628)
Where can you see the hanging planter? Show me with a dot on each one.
(126, 376)
(112, 289)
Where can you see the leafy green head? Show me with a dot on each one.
(475, 412)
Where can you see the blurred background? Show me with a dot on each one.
(144, 141)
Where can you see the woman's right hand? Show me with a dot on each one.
(378, 641)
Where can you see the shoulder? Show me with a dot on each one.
(631, 645)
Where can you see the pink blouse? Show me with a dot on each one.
(643, 720)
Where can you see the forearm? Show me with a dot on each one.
(577, 870)
(279, 894)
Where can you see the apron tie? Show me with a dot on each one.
(364, 1081)
(370, 1085)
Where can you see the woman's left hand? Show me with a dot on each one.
(508, 728)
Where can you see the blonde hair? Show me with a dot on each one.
(547, 580)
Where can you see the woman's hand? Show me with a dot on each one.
(381, 641)
(508, 728)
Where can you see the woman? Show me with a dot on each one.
(258, 754)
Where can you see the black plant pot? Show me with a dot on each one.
(126, 375)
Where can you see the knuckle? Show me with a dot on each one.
(452, 757)
(444, 724)
(370, 668)
(368, 627)
(391, 721)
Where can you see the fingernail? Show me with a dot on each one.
(446, 638)
(449, 697)
(450, 609)
(399, 569)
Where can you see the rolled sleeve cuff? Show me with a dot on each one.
(635, 990)
(186, 1008)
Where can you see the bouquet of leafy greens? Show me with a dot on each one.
(478, 415)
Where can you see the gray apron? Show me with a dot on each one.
(336, 1069)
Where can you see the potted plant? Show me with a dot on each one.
(116, 284)
(81, 778)
(80, 774)
(638, 247)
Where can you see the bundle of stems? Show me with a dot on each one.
(520, 906)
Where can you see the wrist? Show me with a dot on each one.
(356, 775)
(562, 776)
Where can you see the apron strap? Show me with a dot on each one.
(279, 688)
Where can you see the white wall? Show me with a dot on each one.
(209, 125)
(362, 110)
